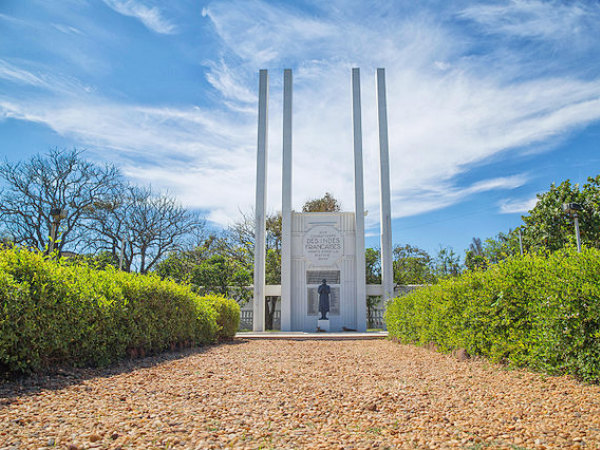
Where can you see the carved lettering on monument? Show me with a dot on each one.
(323, 245)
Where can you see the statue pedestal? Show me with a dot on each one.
(323, 325)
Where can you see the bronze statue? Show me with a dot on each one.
(324, 291)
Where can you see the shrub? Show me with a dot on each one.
(228, 315)
(537, 311)
(53, 313)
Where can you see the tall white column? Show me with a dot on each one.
(286, 206)
(359, 203)
(258, 322)
(387, 270)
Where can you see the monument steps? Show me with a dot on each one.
(305, 336)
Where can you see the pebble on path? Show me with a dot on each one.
(275, 394)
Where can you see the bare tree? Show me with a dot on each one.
(60, 179)
(143, 227)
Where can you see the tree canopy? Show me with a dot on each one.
(546, 228)
(327, 203)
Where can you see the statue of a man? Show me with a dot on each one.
(324, 291)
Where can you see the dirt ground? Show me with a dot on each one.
(270, 394)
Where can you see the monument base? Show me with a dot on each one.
(323, 325)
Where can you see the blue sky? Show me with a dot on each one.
(488, 102)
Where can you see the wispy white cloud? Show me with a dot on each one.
(151, 17)
(448, 112)
(546, 20)
(67, 29)
(514, 206)
(229, 83)
(258, 31)
(40, 78)
(14, 74)
(430, 198)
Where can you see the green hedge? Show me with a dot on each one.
(54, 313)
(228, 315)
(536, 311)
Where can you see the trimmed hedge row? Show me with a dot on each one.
(228, 315)
(537, 311)
(54, 313)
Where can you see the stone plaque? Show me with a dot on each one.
(316, 276)
(323, 245)
(313, 301)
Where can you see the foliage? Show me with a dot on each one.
(57, 313)
(327, 203)
(209, 269)
(546, 228)
(412, 265)
(536, 310)
(446, 263)
(373, 266)
(228, 315)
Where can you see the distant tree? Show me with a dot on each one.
(208, 269)
(238, 242)
(548, 228)
(474, 261)
(476, 246)
(59, 179)
(327, 203)
(412, 265)
(447, 263)
(475, 255)
(502, 246)
(373, 266)
(142, 226)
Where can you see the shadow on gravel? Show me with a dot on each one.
(54, 379)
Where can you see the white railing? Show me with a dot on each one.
(247, 316)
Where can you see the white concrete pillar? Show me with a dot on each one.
(359, 203)
(387, 270)
(286, 206)
(258, 321)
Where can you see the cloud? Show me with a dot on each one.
(514, 206)
(67, 29)
(229, 83)
(545, 20)
(41, 80)
(151, 17)
(14, 74)
(445, 194)
(449, 109)
(258, 31)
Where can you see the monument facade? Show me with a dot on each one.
(324, 248)
(320, 246)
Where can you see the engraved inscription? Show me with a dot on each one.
(323, 245)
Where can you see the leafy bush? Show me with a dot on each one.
(228, 315)
(537, 311)
(54, 313)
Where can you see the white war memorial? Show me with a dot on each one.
(324, 246)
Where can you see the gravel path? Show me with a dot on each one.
(301, 394)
